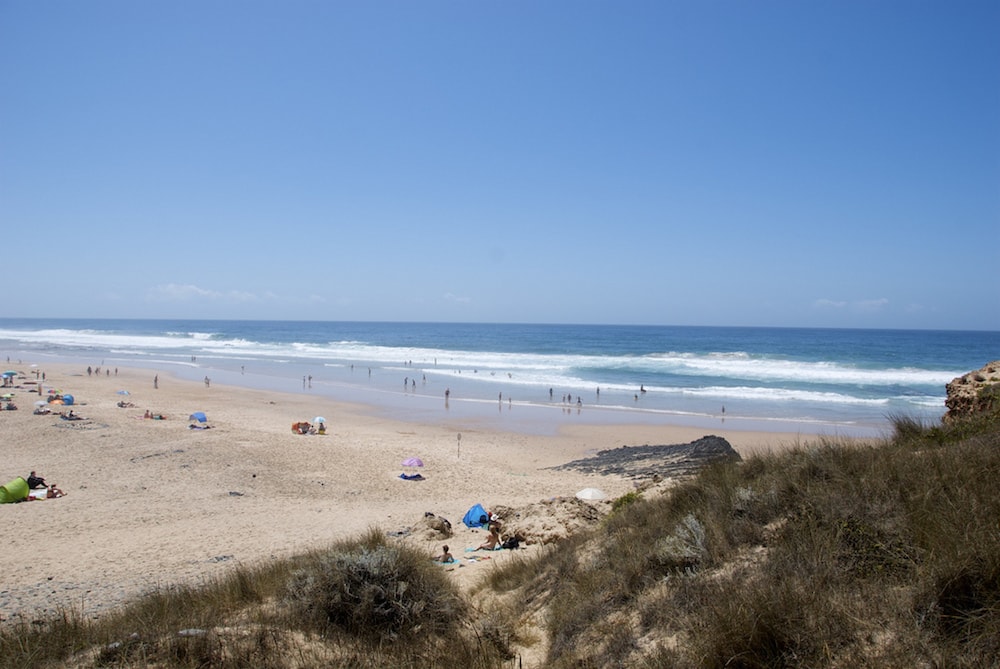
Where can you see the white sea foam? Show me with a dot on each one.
(616, 373)
(779, 395)
(743, 366)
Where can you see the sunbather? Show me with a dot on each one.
(492, 540)
(445, 555)
(52, 492)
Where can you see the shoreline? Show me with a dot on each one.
(529, 416)
(153, 503)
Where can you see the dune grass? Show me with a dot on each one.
(833, 555)
(880, 554)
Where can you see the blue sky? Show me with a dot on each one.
(785, 163)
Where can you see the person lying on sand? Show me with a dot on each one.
(52, 492)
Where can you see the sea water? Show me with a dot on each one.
(537, 377)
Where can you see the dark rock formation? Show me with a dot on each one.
(973, 393)
(646, 462)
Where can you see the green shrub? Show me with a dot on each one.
(623, 501)
(370, 587)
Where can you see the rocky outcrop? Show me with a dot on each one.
(973, 393)
(655, 462)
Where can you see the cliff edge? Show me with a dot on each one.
(973, 393)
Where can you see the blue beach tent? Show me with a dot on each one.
(476, 517)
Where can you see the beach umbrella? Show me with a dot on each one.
(591, 493)
(413, 462)
(123, 392)
(319, 419)
(40, 403)
(198, 416)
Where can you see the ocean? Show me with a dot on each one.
(537, 377)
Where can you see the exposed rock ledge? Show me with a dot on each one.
(654, 462)
(966, 396)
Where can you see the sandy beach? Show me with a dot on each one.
(150, 503)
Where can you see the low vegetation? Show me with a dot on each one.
(836, 555)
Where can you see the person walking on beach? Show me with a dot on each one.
(156, 382)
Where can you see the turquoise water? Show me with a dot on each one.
(848, 381)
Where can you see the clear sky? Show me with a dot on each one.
(830, 163)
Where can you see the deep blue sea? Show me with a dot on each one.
(782, 379)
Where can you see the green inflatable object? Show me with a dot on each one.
(15, 491)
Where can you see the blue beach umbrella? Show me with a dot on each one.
(198, 416)
(123, 392)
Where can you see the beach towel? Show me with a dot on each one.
(411, 477)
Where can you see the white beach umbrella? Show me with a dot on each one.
(591, 493)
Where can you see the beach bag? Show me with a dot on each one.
(510, 543)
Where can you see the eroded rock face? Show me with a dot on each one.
(648, 462)
(965, 393)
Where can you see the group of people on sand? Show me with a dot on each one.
(36, 482)
(492, 543)
(303, 427)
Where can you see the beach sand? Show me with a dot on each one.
(153, 503)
